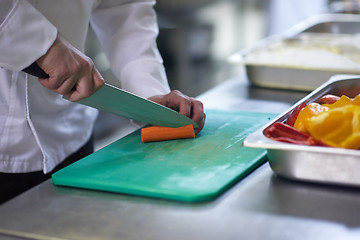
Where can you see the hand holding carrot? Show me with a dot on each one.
(185, 105)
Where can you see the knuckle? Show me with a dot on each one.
(84, 65)
(99, 83)
(199, 103)
(175, 93)
(187, 100)
(87, 63)
(90, 61)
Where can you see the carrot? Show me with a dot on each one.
(158, 133)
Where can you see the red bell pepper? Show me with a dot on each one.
(284, 133)
(294, 114)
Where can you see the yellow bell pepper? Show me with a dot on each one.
(356, 100)
(337, 124)
(337, 127)
(311, 110)
(343, 101)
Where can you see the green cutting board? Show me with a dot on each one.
(189, 170)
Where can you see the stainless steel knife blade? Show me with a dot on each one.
(123, 103)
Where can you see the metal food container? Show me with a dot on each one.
(336, 166)
(292, 73)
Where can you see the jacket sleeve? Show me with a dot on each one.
(25, 34)
(127, 31)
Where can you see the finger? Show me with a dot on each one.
(68, 86)
(53, 82)
(198, 114)
(87, 86)
(185, 107)
(201, 124)
(61, 80)
(98, 79)
(84, 88)
(180, 103)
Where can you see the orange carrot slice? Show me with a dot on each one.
(157, 133)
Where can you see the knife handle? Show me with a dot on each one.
(36, 71)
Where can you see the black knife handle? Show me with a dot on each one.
(36, 71)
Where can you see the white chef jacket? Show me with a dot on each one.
(38, 128)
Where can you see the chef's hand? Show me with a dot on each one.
(185, 105)
(72, 73)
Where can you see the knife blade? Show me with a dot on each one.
(123, 103)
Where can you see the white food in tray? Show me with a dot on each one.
(310, 51)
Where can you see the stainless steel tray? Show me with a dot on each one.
(298, 77)
(312, 163)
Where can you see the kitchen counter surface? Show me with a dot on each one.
(261, 206)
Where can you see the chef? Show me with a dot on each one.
(40, 132)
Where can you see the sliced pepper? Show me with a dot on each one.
(334, 123)
(302, 120)
(337, 127)
(328, 99)
(284, 133)
(294, 114)
(356, 100)
(343, 101)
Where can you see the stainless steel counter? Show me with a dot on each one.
(261, 206)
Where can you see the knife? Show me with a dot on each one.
(123, 103)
